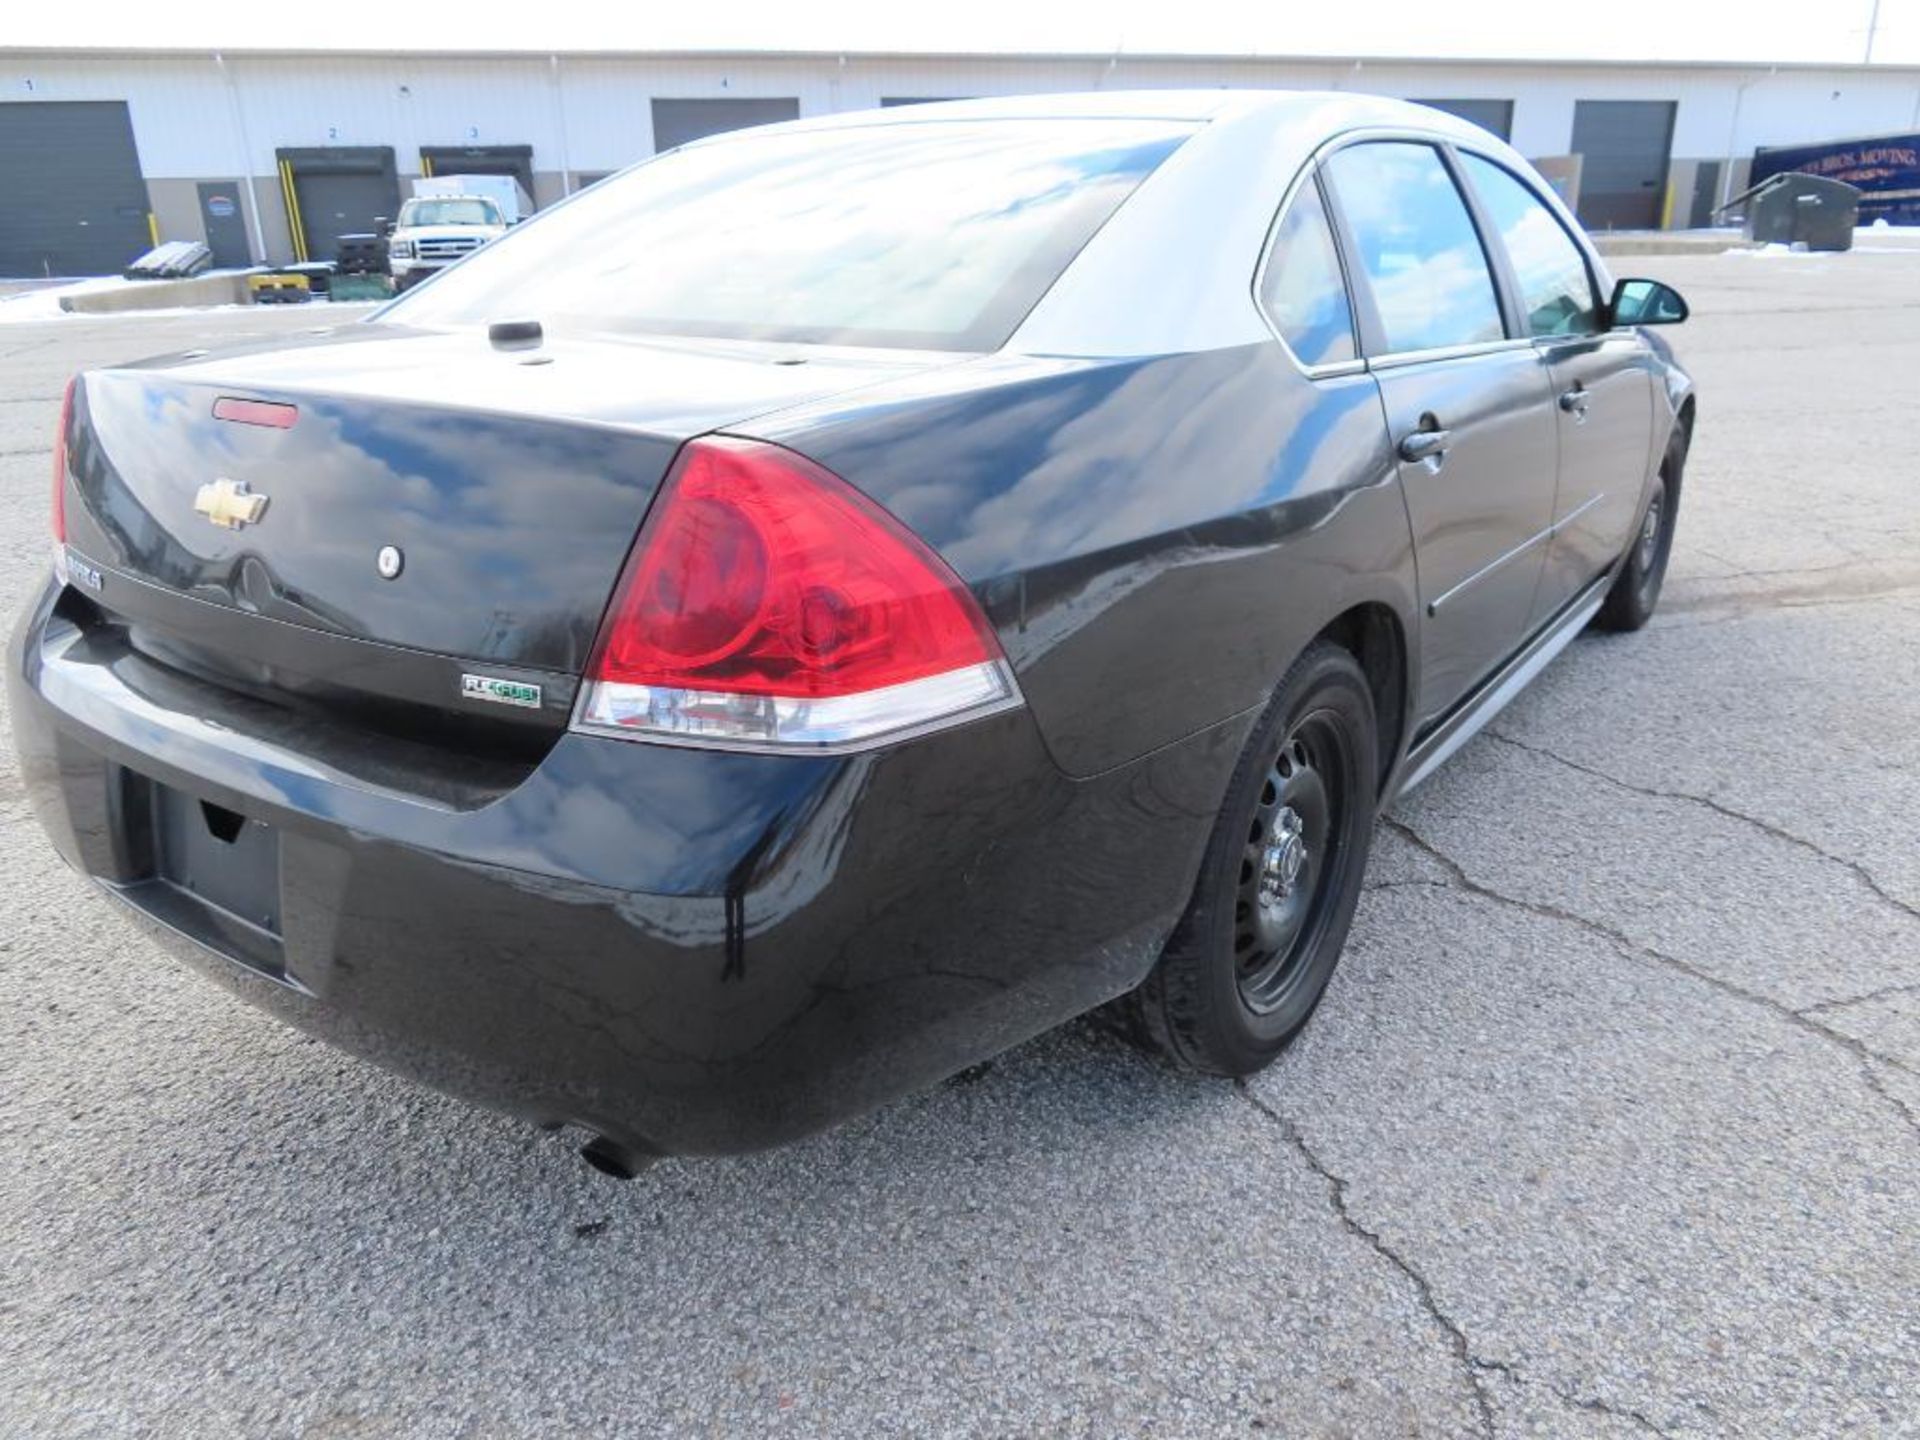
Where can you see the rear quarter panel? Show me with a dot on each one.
(1154, 538)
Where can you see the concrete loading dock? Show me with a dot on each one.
(267, 155)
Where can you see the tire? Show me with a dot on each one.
(1252, 955)
(1636, 589)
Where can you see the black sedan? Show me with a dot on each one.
(841, 598)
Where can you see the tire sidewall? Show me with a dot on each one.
(1326, 679)
(1636, 588)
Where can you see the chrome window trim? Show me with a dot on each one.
(1368, 134)
(1597, 274)
(1399, 358)
(1305, 176)
(1439, 143)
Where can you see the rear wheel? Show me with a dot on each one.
(1251, 957)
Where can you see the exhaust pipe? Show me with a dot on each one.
(610, 1157)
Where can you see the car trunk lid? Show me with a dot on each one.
(379, 516)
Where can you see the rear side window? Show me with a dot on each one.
(939, 235)
(1417, 246)
(1302, 289)
(1556, 291)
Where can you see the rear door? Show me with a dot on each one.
(1603, 388)
(1469, 408)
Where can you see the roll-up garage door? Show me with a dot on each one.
(334, 191)
(514, 160)
(1623, 147)
(71, 198)
(679, 122)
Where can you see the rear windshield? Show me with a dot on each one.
(449, 212)
(932, 235)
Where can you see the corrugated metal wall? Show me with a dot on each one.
(197, 117)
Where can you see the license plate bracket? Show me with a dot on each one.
(218, 856)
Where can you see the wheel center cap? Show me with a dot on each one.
(1649, 535)
(1285, 857)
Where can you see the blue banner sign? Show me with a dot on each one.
(1884, 169)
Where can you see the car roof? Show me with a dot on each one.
(1193, 106)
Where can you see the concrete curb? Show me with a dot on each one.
(1645, 242)
(227, 288)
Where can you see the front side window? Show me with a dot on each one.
(1303, 289)
(1417, 246)
(1556, 293)
(939, 235)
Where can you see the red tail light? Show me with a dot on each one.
(768, 603)
(60, 466)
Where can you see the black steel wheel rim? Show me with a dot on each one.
(1650, 549)
(1650, 534)
(1294, 847)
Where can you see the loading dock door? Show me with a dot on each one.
(1493, 115)
(226, 227)
(335, 191)
(679, 122)
(514, 160)
(1624, 147)
(71, 198)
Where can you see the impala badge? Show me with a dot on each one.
(230, 504)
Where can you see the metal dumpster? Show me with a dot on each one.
(1796, 208)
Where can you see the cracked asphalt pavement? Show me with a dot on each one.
(1609, 1126)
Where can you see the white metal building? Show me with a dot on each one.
(269, 155)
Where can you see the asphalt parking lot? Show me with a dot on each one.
(1610, 1124)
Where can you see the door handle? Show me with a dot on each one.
(1425, 445)
(1574, 401)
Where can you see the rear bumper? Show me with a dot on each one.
(687, 951)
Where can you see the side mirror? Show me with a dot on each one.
(1646, 302)
(383, 225)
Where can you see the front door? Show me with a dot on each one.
(1605, 407)
(1469, 408)
(1602, 386)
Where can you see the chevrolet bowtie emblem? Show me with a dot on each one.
(230, 504)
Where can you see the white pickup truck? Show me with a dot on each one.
(448, 218)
